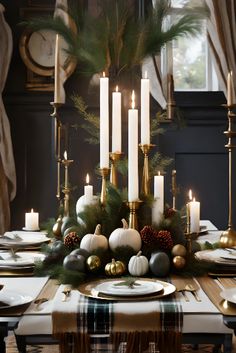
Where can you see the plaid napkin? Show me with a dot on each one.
(136, 324)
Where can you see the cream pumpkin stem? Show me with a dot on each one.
(98, 230)
(113, 261)
(139, 253)
(125, 224)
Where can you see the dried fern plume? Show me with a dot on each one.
(117, 41)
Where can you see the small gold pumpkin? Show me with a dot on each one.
(115, 268)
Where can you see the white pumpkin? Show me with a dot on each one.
(92, 242)
(138, 265)
(81, 204)
(125, 237)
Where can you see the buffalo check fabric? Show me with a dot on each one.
(85, 322)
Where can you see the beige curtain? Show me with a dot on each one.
(222, 39)
(7, 165)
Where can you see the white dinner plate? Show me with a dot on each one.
(9, 299)
(229, 294)
(22, 259)
(140, 288)
(22, 239)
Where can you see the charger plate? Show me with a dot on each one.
(89, 289)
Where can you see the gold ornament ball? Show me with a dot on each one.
(178, 250)
(179, 262)
(93, 263)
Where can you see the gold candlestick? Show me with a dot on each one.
(57, 144)
(66, 190)
(104, 173)
(188, 234)
(145, 180)
(228, 237)
(133, 207)
(173, 189)
(114, 157)
(170, 105)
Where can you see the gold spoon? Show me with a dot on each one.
(191, 288)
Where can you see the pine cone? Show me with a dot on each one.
(71, 240)
(169, 212)
(148, 235)
(164, 239)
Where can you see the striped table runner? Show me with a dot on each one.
(136, 324)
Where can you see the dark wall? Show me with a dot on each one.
(197, 149)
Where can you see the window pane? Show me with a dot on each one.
(190, 63)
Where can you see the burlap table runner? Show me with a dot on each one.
(213, 290)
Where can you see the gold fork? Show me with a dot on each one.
(66, 291)
(191, 288)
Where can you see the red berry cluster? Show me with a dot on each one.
(164, 239)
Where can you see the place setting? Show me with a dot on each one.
(127, 289)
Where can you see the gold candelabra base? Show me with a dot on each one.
(145, 180)
(228, 238)
(66, 192)
(133, 219)
(104, 173)
(188, 237)
(114, 157)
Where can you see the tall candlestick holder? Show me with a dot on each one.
(114, 157)
(66, 189)
(133, 219)
(228, 237)
(173, 189)
(57, 145)
(188, 234)
(145, 180)
(104, 172)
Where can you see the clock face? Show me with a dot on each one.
(41, 47)
(37, 50)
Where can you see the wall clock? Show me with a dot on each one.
(37, 50)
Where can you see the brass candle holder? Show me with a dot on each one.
(173, 188)
(145, 180)
(114, 157)
(57, 144)
(66, 190)
(170, 105)
(228, 237)
(104, 173)
(188, 234)
(133, 219)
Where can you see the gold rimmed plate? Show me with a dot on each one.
(91, 289)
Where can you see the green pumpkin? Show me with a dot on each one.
(159, 264)
(67, 222)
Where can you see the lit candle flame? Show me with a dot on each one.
(190, 195)
(116, 88)
(87, 178)
(145, 74)
(133, 99)
(159, 173)
(32, 210)
(65, 155)
(103, 74)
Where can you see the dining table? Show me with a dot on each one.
(88, 319)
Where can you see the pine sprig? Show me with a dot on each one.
(91, 122)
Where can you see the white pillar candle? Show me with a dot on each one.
(194, 211)
(229, 89)
(158, 204)
(145, 111)
(116, 121)
(59, 96)
(32, 220)
(133, 183)
(104, 122)
(88, 191)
